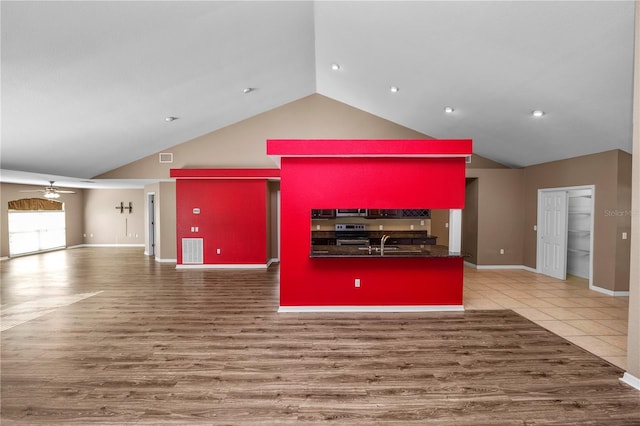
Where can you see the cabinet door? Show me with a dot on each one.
(428, 241)
(375, 213)
(399, 241)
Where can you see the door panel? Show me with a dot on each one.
(553, 233)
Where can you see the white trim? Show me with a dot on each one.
(455, 231)
(592, 188)
(631, 380)
(157, 259)
(374, 308)
(274, 260)
(481, 267)
(609, 292)
(224, 266)
(4, 258)
(110, 245)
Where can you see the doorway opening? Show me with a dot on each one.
(151, 224)
(565, 232)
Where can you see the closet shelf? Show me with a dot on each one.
(580, 231)
(578, 251)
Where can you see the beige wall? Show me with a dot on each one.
(507, 212)
(500, 215)
(165, 220)
(104, 224)
(439, 226)
(608, 172)
(244, 144)
(73, 206)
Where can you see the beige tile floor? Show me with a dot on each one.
(592, 320)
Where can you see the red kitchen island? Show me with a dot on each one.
(358, 179)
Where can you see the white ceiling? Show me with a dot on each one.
(86, 85)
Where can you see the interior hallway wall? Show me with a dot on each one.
(609, 173)
(104, 224)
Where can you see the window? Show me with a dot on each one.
(33, 231)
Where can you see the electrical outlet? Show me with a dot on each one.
(624, 235)
(317, 227)
(217, 251)
(357, 282)
(380, 227)
(411, 227)
(501, 251)
(446, 225)
(535, 227)
(422, 223)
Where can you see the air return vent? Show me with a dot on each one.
(192, 251)
(166, 157)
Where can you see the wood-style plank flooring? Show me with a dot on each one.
(111, 337)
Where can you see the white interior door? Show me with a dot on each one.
(552, 234)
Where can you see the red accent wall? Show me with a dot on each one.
(232, 218)
(365, 182)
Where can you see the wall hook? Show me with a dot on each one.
(122, 207)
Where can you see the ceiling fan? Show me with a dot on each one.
(50, 191)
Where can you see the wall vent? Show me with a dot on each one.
(192, 251)
(166, 157)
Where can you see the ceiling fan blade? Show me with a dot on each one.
(33, 190)
(64, 192)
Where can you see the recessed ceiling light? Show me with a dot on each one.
(537, 113)
(335, 66)
(170, 119)
(448, 109)
(248, 90)
(395, 89)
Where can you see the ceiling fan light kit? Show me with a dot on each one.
(50, 192)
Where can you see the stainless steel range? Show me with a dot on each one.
(351, 234)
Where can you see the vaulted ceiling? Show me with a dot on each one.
(86, 86)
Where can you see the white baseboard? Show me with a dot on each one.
(274, 260)
(631, 380)
(4, 258)
(609, 292)
(159, 260)
(109, 245)
(224, 266)
(481, 267)
(374, 308)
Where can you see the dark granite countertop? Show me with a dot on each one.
(389, 251)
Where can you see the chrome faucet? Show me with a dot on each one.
(382, 241)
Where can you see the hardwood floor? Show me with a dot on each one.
(108, 336)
